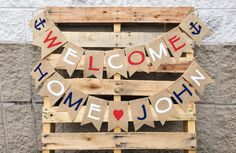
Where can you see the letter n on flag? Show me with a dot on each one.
(51, 40)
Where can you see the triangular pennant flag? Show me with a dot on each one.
(54, 88)
(136, 59)
(157, 52)
(118, 115)
(183, 93)
(163, 106)
(95, 112)
(115, 62)
(176, 42)
(40, 23)
(194, 27)
(70, 57)
(50, 41)
(141, 113)
(93, 64)
(197, 77)
(41, 72)
(72, 102)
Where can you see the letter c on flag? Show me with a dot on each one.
(111, 65)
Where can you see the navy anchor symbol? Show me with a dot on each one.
(37, 25)
(197, 30)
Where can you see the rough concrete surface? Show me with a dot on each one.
(227, 82)
(15, 74)
(2, 133)
(19, 126)
(20, 106)
(225, 134)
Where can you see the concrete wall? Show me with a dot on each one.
(20, 108)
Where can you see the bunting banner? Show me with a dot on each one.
(141, 113)
(95, 111)
(163, 106)
(41, 23)
(70, 57)
(41, 72)
(93, 64)
(157, 52)
(72, 102)
(197, 77)
(136, 60)
(51, 40)
(195, 28)
(54, 88)
(183, 93)
(115, 63)
(118, 115)
(148, 57)
(176, 42)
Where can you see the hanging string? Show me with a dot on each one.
(164, 28)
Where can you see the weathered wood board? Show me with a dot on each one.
(118, 14)
(110, 141)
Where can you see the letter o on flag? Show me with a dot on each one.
(136, 62)
(161, 111)
(55, 93)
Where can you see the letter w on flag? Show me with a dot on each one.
(51, 40)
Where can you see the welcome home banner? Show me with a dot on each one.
(125, 62)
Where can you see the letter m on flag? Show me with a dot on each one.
(52, 40)
(77, 103)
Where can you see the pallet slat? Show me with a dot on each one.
(111, 39)
(189, 126)
(47, 127)
(118, 14)
(110, 141)
(52, 116)
(117, 29)
(93, 86)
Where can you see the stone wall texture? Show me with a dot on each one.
(20, 107)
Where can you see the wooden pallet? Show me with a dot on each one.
(118, 27)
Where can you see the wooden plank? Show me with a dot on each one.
(111, 39)
(118, 14)
(52, 116)
(47, 127)
(189, 126)
(172, 65)
(110, 141)
(94, 86)
(117, 98)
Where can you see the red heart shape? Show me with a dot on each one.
(118, 114)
